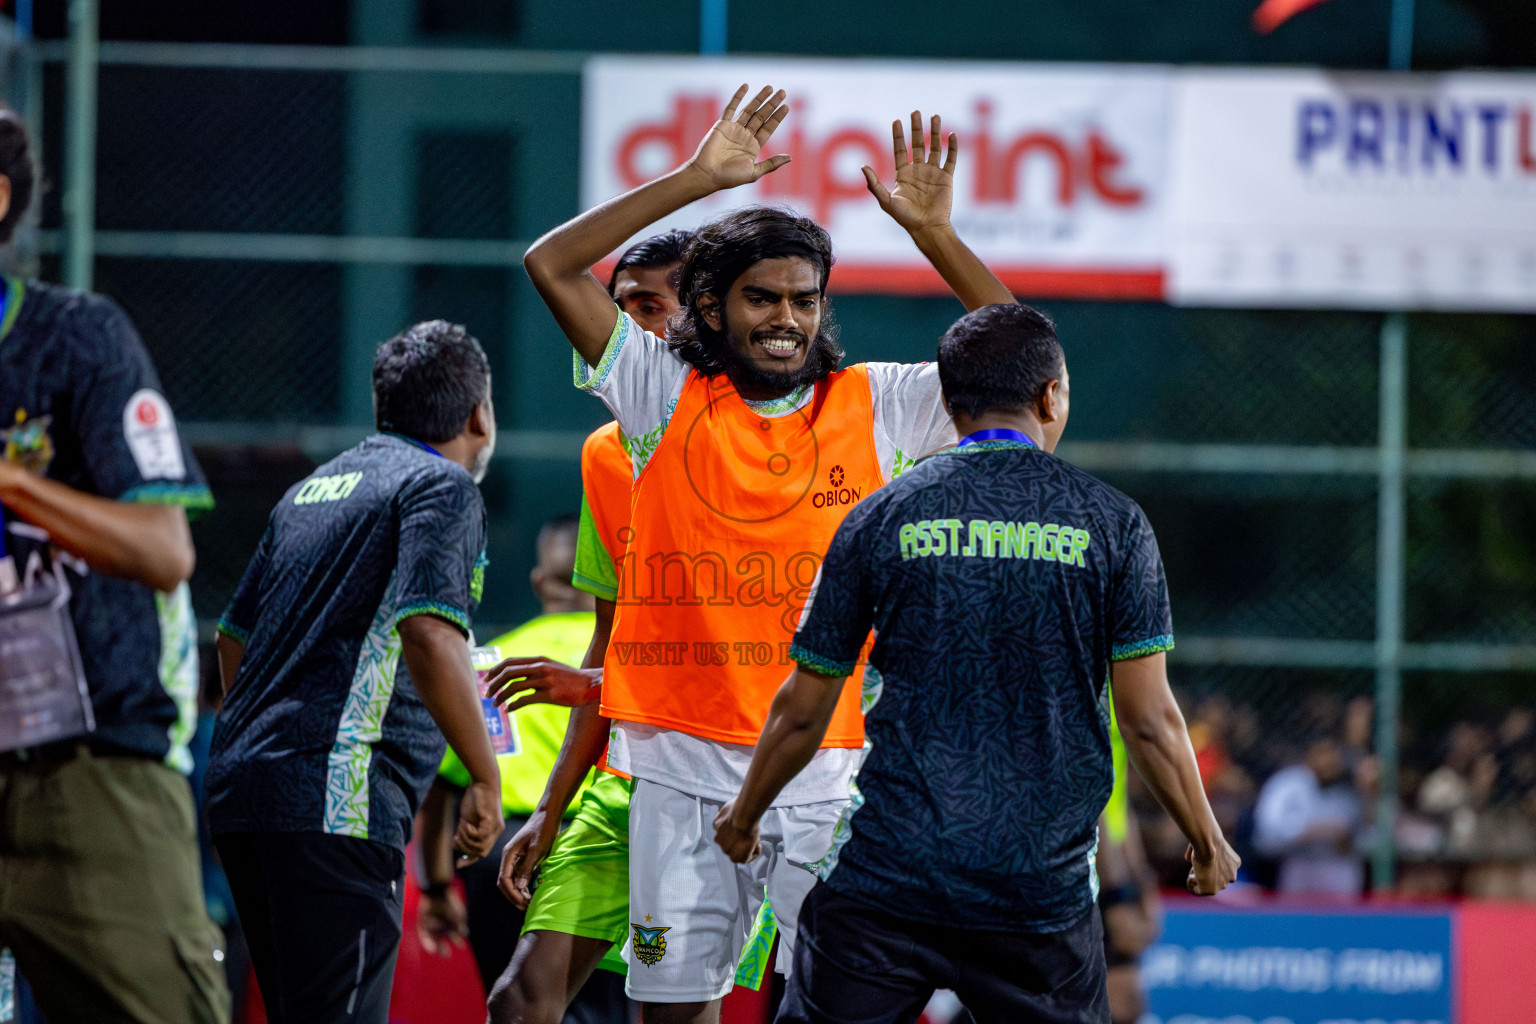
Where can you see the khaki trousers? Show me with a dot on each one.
(101, 893)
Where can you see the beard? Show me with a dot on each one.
(759, 375)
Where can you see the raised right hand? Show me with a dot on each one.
(542, 681)
(522, 856)
(1209, 875)
(728, 155)
(480, 822)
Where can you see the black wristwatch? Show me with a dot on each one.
(1114, 895)
(436, 891)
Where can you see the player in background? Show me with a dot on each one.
(561, 632)
(1128, 900)
(732, 424)
(1004, 587)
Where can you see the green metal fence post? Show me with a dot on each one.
(1390, 546)
(1391, 529)
(80, 144)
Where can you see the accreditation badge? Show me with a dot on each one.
(43, 693)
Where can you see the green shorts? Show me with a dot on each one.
(584, 883)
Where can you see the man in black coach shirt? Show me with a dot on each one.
(326, 743)
(1003, 585)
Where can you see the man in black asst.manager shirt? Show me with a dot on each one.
(1003, 586)
(344, 652)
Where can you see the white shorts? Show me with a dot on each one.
(691, 909)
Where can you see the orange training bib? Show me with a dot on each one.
(731, 519)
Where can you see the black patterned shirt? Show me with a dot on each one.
(1000, 582)
(323, 730)
(80, 403)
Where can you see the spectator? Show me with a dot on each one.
(1307, 817)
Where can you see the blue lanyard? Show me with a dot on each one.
(419, 444)
(998, 434)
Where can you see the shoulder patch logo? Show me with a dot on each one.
(650, 944)
(150, 430)
(28, 443)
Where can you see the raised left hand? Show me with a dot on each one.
(739, 841)
(925, 188)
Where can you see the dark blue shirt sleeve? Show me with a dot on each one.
(440, 565)
(127, 432)
(239, 619)
(1141, 621)
(840, 613)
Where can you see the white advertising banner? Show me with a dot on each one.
(1061, 184)
(1308, 188)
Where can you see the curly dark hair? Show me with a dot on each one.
(720, 252)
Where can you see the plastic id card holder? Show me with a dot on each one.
(43, 694)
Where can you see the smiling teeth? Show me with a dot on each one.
(781, 344)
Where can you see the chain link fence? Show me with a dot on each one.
(267, 216)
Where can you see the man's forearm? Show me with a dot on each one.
(559, 264)
(149, 544)
(1159, 747)
(586, 733)
(438, 659)
(435, 835)
(968, 277)
(578, 244)
(797, 722)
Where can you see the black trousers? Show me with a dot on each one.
(855, 963)
(322, 916)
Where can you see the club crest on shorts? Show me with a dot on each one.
(650, 944)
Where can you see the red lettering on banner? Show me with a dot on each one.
(831, 189)
(823, 172)
(1013, 159)
(1103, 159)
(1527, 151)
(692, 118)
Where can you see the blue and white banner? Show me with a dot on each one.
(1219, 966)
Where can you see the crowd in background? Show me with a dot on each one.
(1299, 793)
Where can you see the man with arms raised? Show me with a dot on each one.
(580, 914)
(1003, 586)
(748, 447)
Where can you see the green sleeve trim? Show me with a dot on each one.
(594, 570)
(817, 663)
(442, 611)
(591, 378)
(15, 291)
(596, 588)
(194, 498)
(234, 632)
(1141, 648)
